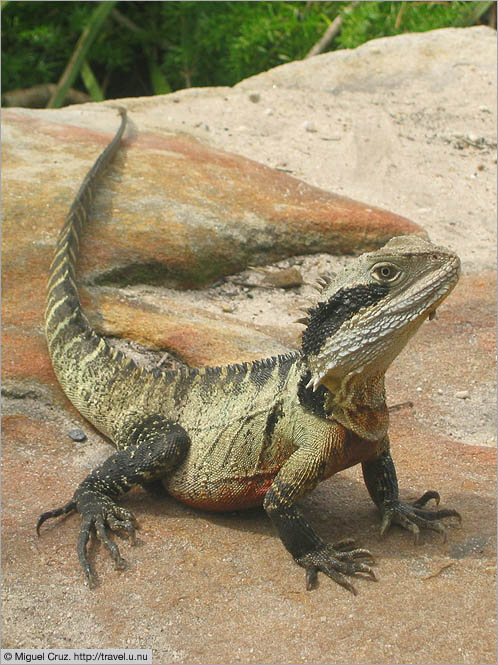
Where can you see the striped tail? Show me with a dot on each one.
(65, 323)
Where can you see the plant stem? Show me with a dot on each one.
(74, 65)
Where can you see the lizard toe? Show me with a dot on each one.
(351, 555)
(344, 545)
(336, 565)
(57, 512)
(83, 538)
(346, 550)
(112, 548)
(427, 496)
(99, 515)
(123, 520)
(413, 517)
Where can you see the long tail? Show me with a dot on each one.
(64, 319)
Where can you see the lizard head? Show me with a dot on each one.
(367, 313)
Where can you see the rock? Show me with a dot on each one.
(194, 334)
(177, 187)
(388, 63)
(286, 278)
(77, 435)
(172, 211)
(308, 126)
(198, 576)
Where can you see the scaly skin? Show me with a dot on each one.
(265, 432)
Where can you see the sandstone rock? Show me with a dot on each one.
(288, 278)
(173, 211)
(390, 63)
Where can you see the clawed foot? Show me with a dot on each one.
(413, 517)
(99, 513)
(336, 561)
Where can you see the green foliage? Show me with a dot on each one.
(91, 83)
(371, 20)
(263, 34)
(220, 43)
(77, 64)
(145, 48)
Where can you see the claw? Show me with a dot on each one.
(83, 538)
(125, 521)
(413, 517)
(131, 529)
(347, 585)
(363, 568)
(386, 522)
(91, 579)
(112, 548)
(334, 564)
(431, 494)
(344, 544)
(311, 578)
(410, 526)
(438, 527)
(351, 555)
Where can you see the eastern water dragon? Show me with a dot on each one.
(257, 433)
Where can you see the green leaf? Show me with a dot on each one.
(91, 83)
(159, 82)
(95, 23)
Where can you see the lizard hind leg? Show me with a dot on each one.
(156, 446)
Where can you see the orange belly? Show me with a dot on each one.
(232, 494)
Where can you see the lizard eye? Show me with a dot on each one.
(386, 272)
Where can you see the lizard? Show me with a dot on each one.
(264, 432)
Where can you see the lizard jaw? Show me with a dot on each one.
(316, 381)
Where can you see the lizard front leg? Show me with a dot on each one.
(380, 478)
(299, 475)
(156, 447)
